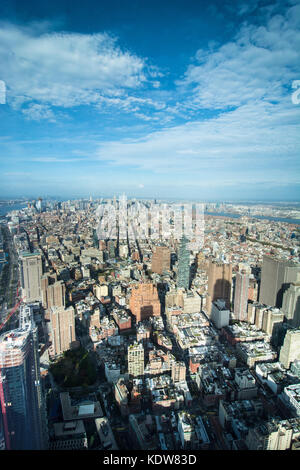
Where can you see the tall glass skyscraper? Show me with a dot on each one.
(23, 412)
(183, 279)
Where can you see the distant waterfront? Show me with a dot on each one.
(5, 208)
(262, 217)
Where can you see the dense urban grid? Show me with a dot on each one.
(114, 343)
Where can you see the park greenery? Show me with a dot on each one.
(74, 369)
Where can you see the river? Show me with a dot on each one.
(261, 217)
(5, 208)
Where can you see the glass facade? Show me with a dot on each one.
(24, 422)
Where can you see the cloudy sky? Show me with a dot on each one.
(172, 98)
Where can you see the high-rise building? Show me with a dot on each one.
(291, 304)
(219, 283)
(53, 292)
(56, 295)
(39, 204)
(62, 325)
(276, 277)
(111, 248)
(21, 396)
(135, 360)
(183, 276)
(46, 280)
(144, 302)
(219, 314)
(31, 270)
(241, 295)
(161, 259)
(290, 350)
(253, 289)
(44, 286)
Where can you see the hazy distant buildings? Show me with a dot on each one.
(276, 276)
(31, 271)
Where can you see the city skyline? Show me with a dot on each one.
(179, 99)
(149, 343)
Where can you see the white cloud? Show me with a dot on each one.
(64, 69)
(258, 65)
(248, 142)
(37, 112)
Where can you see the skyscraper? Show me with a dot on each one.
(241, 295)
(62, 323)
(21, 396)
(276, 276)
(47, 280)
(291, 304)
(161, 259)
(219, 283)
(31, 272)
(56, 295)
(290, 350)
(183, 278)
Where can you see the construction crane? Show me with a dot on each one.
(13, 310)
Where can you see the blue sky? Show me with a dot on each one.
(185, 99)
